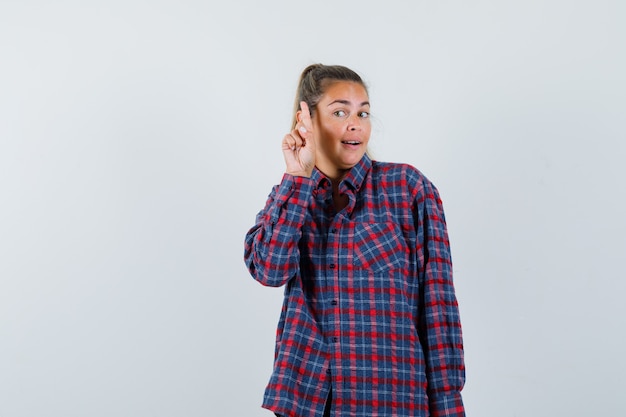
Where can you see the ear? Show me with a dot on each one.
(299, 116)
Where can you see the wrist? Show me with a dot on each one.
(306, 174)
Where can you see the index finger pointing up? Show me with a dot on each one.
(305, 116)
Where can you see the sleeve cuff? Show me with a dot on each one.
(292, 195)
(295, 189)
(448, 405)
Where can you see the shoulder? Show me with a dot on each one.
(401, 175)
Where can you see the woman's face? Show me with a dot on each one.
(341, 127)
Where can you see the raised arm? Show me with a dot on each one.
(271, 246)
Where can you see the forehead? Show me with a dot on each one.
(345, 91)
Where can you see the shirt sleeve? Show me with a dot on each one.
(440, 325)
(271, 245)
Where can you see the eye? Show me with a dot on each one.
(339, 113)
(364, 114)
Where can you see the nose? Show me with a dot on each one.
(354, 123)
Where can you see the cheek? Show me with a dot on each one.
(367, 129)
(328, 133)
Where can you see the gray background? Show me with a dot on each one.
(140, 138)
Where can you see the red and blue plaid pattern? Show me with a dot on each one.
(369, 302)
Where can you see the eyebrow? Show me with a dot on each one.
(346, 102)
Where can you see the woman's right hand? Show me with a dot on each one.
(299, 145)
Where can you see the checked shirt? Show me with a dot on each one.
(369, 306)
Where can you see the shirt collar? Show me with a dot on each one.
(354, 177)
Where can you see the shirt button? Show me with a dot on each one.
(328, 371)
(332, 266)
(334, 302)
(333, 230)
(335, 339)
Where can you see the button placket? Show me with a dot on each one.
(333, 271)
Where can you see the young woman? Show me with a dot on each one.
(370, 323)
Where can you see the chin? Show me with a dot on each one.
(350, 162)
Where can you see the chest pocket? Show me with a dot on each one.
(379, 247)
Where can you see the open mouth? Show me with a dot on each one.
(351, 142)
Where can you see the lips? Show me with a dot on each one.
(351, 142)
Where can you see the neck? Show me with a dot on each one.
(340, 201)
